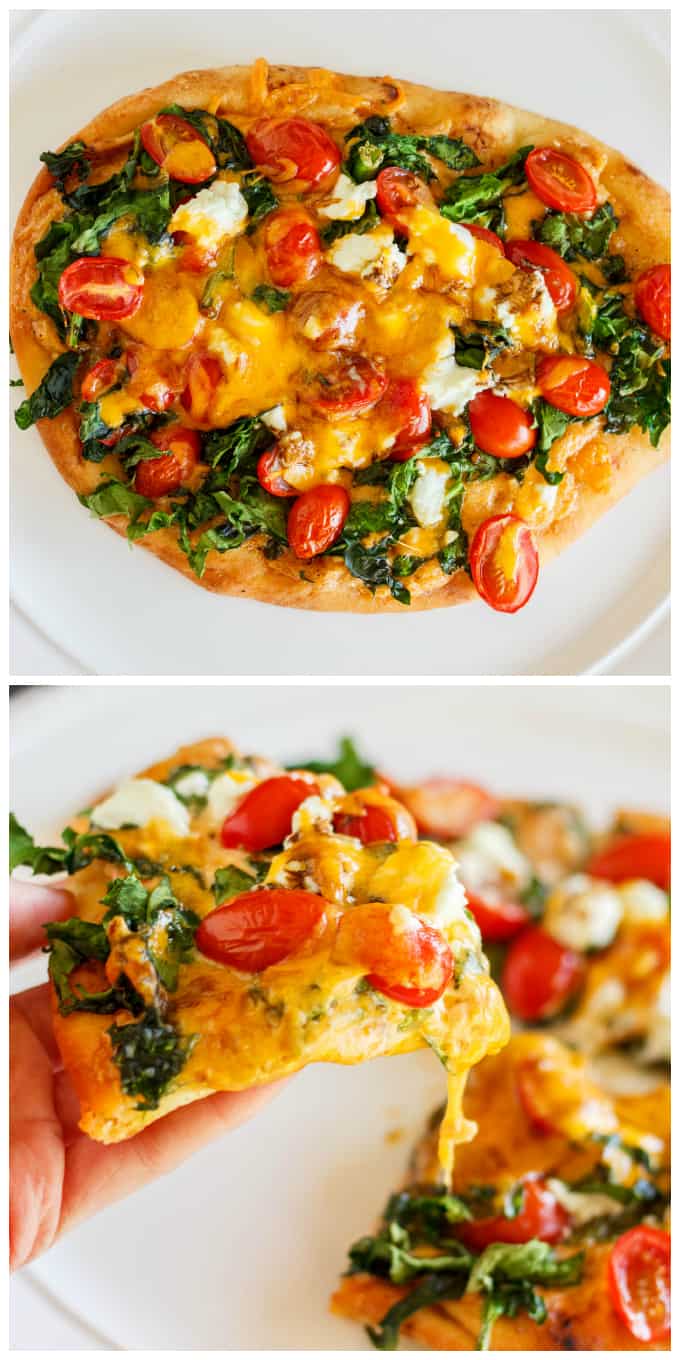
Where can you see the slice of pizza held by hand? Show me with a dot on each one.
(343, 343)
(235, 921)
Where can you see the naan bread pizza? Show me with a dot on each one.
(343, 343)
(235, 921)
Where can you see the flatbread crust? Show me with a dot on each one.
(494, 130)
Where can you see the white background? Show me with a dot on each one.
(241, 1248)
(604, 69)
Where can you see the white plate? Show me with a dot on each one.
(241, 1248)
(604, 593)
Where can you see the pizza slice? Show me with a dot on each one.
(555, 1234)
(235, 921)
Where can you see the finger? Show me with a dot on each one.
(35, 1006)
(36, 1147)
(96, 1176)
(30, 906)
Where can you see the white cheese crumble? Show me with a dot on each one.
(314, 814)
(227, 790)
(582, 1208)
(427, 496)
(402, 920)
(583, 913)
(348, 199)
(449, 386)
(138, 802)
(642, 901)
(373, 256)
(195, 784)
(488, 854)
(212, 214)
(275, 419)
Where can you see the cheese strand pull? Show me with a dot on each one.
(455, 1128)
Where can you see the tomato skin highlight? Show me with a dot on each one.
(634, 856)
(370, 827)
(484, 234)
(316, 519)
(156, 477)
(101, 288)
(264, 816)
(292, 247)
(173, 143)
(260, 928)
(573, 384)
(100, 378)
(282, 145)
(447, 808)
(400, 190)
(500, 427)
(559, 279)
(357, 385)
(540, 1216)
(639, 1278)
(269, 474)
(202, 376)
(559, 181)
(506, 594)
(653, 299)
(497, 920)
(412, 967)
(539, 974)
(409, 409)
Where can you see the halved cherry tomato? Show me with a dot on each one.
(158, 396)
(560, 280)
(635, 856)
(500, 427)
(203, 374)
(264, 815)
(558, 1097)
(497, 918)
(640, 1282)
(293, 148)
(178, 147)
(504, 563)
(101, 287)
(572, 384)
(483, 234)
(406, 409)
(161, 476)
(292, 246)
(99, 379)
(539, 974)
(412, 966)
(399, 190)
(369, 827)
(260, 928)
(316, 519)
(351, 384)
(447, 808)
(653, 299)
(541, 1216)
(269, 474)
(560, 181)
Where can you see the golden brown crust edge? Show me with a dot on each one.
(493, 129)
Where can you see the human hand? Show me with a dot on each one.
(58, 1175)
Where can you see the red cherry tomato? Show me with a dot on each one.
(407, 410)
(161, 476)
(558, 1098)
(496, 918)
(447, 808)
(560, 280)
(540, 1216)
(504, 563)
(411, 966)
(351, 385)
(316, 519)
(293, 148)
(178, 147)
(369, 827)
(399, 190)
(202, 376)
(640, 1282)
(539, 975)
(101, 287)
(560, 181)
(260, 928)
(292, 246)
(99, 379)
(578, 386)
(264, 816)
(158, 396)
(653, 299)
(636, 856)
(269, 474)
(500, 427)
(483, 234)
